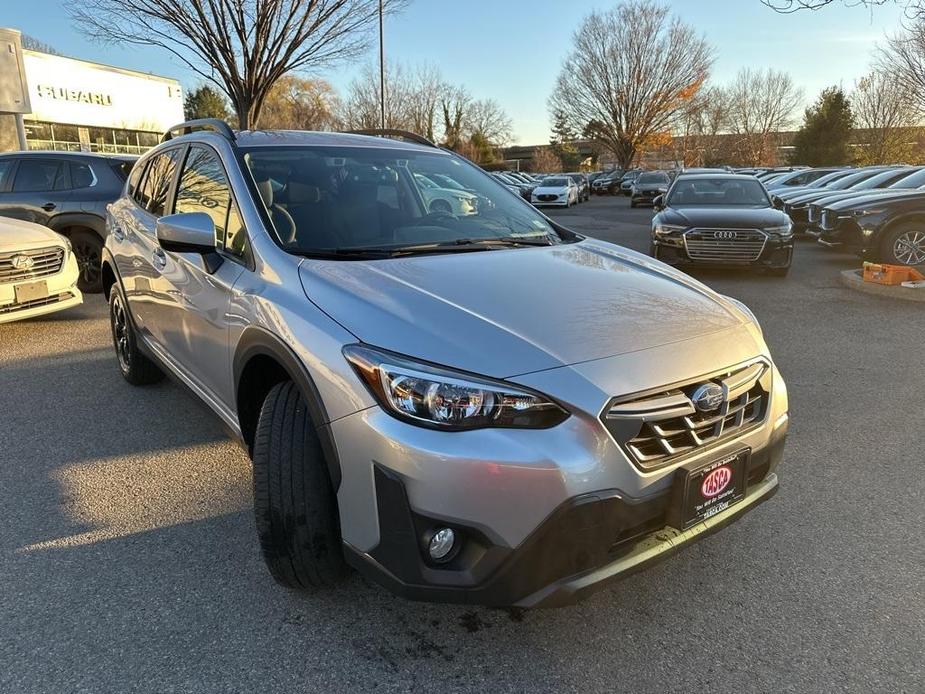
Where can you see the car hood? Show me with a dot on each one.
(514, 311)
(18, 235)
(884, 196)
(859, 194)
(550, 190)
(712, 217)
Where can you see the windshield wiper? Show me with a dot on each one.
(455, 246)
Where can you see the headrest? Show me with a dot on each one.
(303, 193)
(265, 188)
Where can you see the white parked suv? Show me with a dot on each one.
(38, 271)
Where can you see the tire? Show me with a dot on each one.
(295, 507)
(134, 366)
(904, 245)
(88, 249)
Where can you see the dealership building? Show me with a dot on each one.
(74, 105)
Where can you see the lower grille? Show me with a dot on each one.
(35, 303)
(547, 198)
(725, 245)
(44, 262)
(659, 428)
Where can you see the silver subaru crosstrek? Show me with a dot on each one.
(484, 408)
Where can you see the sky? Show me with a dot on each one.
(512, 50)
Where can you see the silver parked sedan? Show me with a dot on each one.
(417, 404)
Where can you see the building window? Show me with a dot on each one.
(66, 138)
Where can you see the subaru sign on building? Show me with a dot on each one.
(82, 106)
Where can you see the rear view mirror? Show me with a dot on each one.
(186, 232)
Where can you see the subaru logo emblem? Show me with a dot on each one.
(708, 397)
(22, 262)
(725, 235)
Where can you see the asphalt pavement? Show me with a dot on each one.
(129, 562)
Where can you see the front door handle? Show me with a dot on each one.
(49, 206)
(159, 259)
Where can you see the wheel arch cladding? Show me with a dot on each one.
(261, 361)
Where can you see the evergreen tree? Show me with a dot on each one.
(562, 141)
(827, 126)
(205, 102)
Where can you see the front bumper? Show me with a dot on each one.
(646, 195)
(587, 542)
(62, 294)
(564, 202)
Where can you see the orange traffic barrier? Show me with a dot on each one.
(890, 274)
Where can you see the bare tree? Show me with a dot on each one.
(913, 7)
(761, 103)
(886, 113)
(903, 59)
(298, 103)
(630, 74)
(241, 46)
(360, 107)
(699, 140)
(487, 119)
(545, 161)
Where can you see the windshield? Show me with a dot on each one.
(849, 181)
(825, 181)
(880, 179)
(338, 200)
(914, 180)
(718, 192)
(652, 178)
(554, 182)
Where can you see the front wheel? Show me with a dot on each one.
(135, 367)
(295, 506)
(904, 245)
(88, 250)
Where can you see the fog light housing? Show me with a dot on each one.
(441, 545)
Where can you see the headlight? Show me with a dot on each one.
(785, 230)
(68, 248)
(436, 397)
(667, 229)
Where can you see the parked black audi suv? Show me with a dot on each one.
(721, 220)
(67, 192)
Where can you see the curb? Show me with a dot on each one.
(853, 279)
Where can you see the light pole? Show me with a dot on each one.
(381, 72)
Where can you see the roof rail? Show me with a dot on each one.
(393, 133)
(190, 126)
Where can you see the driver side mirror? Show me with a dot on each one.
(186, 232)
(190, 232)
(658, 203)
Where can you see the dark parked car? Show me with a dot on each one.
(67, 192)
(721, 220)
(800, 177)
(608, 184)
(648, 186)
(888, 228)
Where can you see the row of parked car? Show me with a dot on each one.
(876, 211)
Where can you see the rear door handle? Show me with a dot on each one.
(159, 258)
(49, 206)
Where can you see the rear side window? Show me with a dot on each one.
(6, 168)
(81, 176)
(122, 169)
(40, 175)
(156, 185)
(133, 179)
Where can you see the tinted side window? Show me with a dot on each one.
(133, 179)
(156, 185)
(137, 188)
(39, 175)
(6, 168)
(81, 176)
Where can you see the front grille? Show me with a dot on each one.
(725, 245)
(660, 427)
(545, 197)
(45, 261)
(55, 299)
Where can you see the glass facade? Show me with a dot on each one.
(62, 137)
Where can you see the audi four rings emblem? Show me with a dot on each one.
(725, 235)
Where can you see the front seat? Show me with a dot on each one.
(282, 220)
